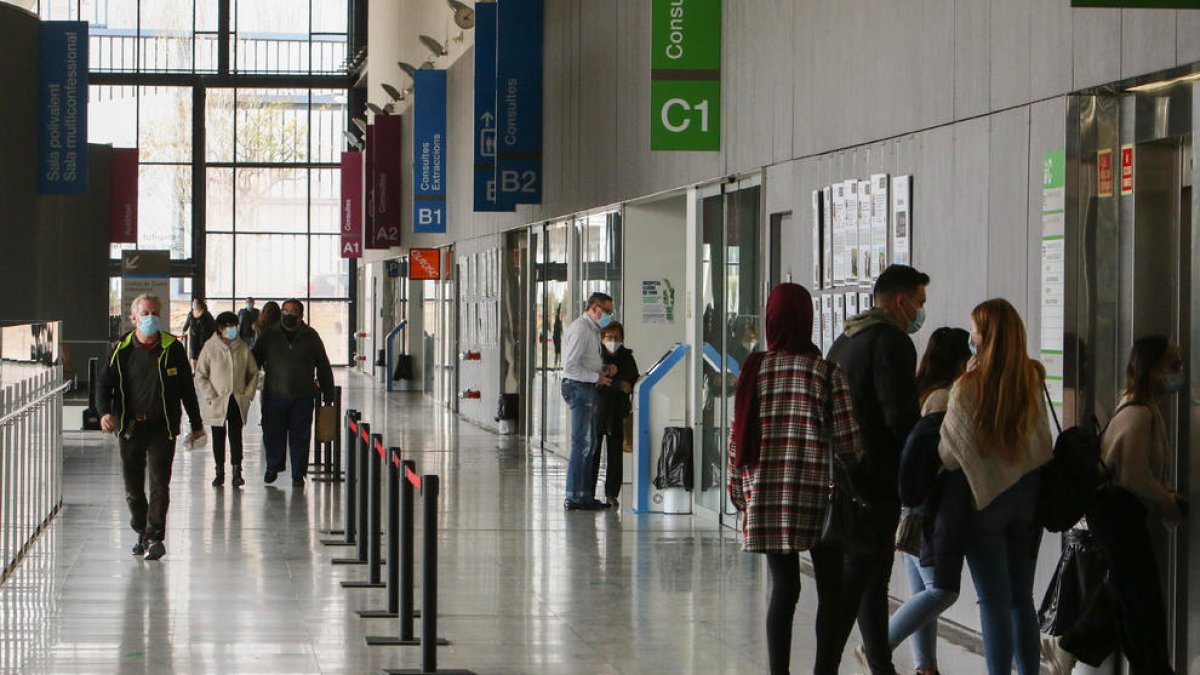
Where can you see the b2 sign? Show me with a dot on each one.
(685, 75)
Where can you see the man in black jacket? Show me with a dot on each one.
(139, 396)
(880, 362)
(289, 353)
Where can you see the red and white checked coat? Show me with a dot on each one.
(783, 496)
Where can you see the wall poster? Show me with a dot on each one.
(827, 237)
(826, 322)
(817, 254)
(839, 316)
(839, 234)
(902, 220)
(851, 305)
(879, 224)
(817, 335)
(658, 301)
(1053, 271)
(850, 222)
(864, 231)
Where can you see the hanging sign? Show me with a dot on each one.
(368, 178)
(123, 196)
(902, 220)
(685, 75)
(1104, 173)
(519, 102)
(147, 273)
(485, 108)
(429, 151)
(351, 211)
(62, 111)
(424, 264)
(387, 191)
(1126, 169)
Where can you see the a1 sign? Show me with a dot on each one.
(685, 75)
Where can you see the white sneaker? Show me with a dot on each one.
(1060, 660)
(860, 656)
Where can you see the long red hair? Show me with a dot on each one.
(1006, 383)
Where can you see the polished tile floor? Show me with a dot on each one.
(246, 587)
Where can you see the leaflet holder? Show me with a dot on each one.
(388, 342)
(641, 422)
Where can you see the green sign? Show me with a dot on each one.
(685, 75)
(1139, 4)
(1054, 169)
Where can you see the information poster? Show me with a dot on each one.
(817, 335)
(147, 273)
(827, 237)
(851, 305)
(658, 301)
(826, 322)
(865, 301)
(839, 316)
(851, 225)
(817, 254)
(1053, 271)
(865, 272)
(902, 220)
(839, 234)
(879, 224)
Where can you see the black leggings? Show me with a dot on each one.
(785, 593)
(233, 422)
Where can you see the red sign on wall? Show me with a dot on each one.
(1126, 169)
(123, 196)
(1104, 173)
(388, 163)
(424, 264)
(350, 215)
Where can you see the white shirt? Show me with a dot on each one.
(581, 350)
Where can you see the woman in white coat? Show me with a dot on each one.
(227, 376)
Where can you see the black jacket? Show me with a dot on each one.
(920, 462)
(247, 317)
(175, 375)
(612, 403)
(880, 362)
(199, 330)
(289, 366)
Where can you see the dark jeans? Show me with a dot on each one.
(287, 425)
(1128, 610)
(615, 441)
(781, 612)
(233, 422)
(148, 448)
(855, 587)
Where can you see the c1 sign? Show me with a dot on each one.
(685, 75)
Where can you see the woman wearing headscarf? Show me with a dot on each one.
(791, 410)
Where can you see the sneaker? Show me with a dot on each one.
(297, 480)
(139, 548)
(155, 550)
(860, 657)
(612, 502)
(270, 477)
(1060, 660)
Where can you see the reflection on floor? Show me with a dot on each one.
(526, 588)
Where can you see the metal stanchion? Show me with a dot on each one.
(348, 528)
(360, 449)
(375, 452)
(393, 541)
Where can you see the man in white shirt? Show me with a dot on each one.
(582, 369)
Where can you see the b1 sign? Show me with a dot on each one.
(685, 75)
(429, 151)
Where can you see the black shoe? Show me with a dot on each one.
(139, 548)
(238, 481)
(219, 480)
(155, 550)
(584, 504)
(270, 477)
(297, 480)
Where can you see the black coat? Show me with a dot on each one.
(613, 405)
(199, 330)
(943, 498)
(880, 363)
(175, 374)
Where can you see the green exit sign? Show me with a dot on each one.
(1138, 4)
(685, 75)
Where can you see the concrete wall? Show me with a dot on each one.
(18, 156)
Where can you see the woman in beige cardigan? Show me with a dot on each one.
(997, 433)
(227, 376)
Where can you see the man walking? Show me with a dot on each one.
(139, 396)
(880, 361)
(289, 353)
(247, 319)
(582, 369)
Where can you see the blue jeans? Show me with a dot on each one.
(918, 616)
(287, 425)
(1002, 554)
(581, 481)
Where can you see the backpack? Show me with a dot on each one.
(1073, 476)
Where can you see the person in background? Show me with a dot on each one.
(583, 369)
(556, 333)
(199, 327)
(792, 410)
(289, 353)
(1129, 612)
(613, 405)
(139, 395)
(744, 340)
(269, 316)
(247, 318)
(880, 362)
(945, 359)
(996, 434)
(227, 377)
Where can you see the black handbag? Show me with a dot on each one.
(849, 524)
(1082, 570)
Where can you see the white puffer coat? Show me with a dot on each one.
(225, 370)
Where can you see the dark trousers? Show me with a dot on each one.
(233, 422)
(287, 425)
(855, 587)
(1128, 610)
(149, 450)
(614, 439)
(781, 612)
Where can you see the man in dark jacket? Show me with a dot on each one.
(247, 318)
(139, 394)
(289, 353)
(880, 361)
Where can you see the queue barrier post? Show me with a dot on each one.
(348, 530)
(374, 527)
(395, 534)
(360, 450)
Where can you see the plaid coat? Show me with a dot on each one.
(783, 496)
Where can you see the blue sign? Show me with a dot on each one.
(519, 102)
(62, 111)
(485, 109)
(429, 151)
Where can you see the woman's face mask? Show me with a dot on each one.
(230, 333)
(1173, 382)
(612, 345)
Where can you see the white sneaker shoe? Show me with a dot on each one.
(860, 657)
(1060, 660)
